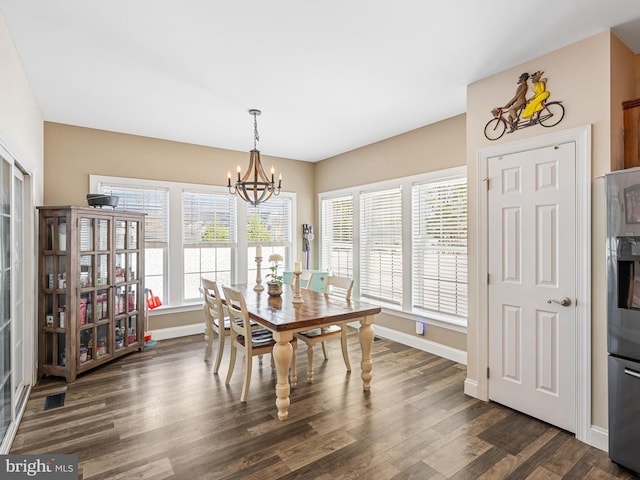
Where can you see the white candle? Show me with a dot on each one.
(297, 267)
(258, 250)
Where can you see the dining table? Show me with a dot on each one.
(284, 317)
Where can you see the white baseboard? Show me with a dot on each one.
(423, 344)
(449, 353)
(471, 388)
(599, 438)
(175, 332)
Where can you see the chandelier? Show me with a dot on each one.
(254, 187)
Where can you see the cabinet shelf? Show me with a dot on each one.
(80, 324)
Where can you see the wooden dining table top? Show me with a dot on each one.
(281, 314)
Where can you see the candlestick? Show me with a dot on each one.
(297, 267)
(259, 287)
(259, 251)
(297, 296)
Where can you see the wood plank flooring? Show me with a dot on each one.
(161, 414)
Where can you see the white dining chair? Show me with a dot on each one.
(253, 342)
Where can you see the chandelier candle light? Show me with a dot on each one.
(260, 188)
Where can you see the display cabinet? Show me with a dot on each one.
(91, 288)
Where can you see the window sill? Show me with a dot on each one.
(168, 310)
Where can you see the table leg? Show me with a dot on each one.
(366, 344)
(282, 355)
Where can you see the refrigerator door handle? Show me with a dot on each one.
(633, 373)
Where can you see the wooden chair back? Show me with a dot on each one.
(213, 306)
(337, 282)
(238, 314)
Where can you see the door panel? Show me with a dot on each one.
(531, 208)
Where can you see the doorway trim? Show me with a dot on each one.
(582, 138)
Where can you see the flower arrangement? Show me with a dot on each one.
(275, 260)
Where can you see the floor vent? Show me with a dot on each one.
(54, 401)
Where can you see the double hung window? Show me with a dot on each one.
(404, 242)
(198, 230)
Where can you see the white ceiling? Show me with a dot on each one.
(329, 76)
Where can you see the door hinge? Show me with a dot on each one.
(488, 278)
(486, 182)
(487, 372)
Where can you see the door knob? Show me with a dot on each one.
(564, 301)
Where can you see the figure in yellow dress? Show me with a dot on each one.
(541, 94)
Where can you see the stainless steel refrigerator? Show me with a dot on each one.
(622, 193)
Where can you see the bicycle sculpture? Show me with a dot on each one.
(521, 113)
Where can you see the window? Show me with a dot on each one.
(269, 225)
(405, 243)
(337, 235)
(208, 239)
(440, 247)
(154, 202)
(193, 230)
(381, 245)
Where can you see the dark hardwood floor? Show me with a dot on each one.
(161, 414)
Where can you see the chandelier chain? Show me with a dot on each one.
(256, 137)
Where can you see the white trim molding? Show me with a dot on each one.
(450, 353)
(599, 438)
(175, 332)
(478, 387)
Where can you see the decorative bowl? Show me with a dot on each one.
(101, 200)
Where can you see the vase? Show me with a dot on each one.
(274, 289)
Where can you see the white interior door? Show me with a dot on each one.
(532, 282)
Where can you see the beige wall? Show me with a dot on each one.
(74, 153)
(434, 147)
(579, 75)
(20, 117)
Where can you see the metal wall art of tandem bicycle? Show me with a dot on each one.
(521, 112)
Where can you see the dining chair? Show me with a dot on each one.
(305, 279)
(216, 320)
(335, 284)
(252, 342)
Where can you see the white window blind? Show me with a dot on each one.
(381, 245)
(208, 219)
(152, 201)
(208, 239)
(440, 247)
(337, 235)
(269, 223)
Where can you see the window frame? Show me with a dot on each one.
(406, 184)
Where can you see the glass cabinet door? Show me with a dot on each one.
(103, 243)
(86, 234)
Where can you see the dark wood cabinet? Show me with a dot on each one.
(631, 112)
(91, 288)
